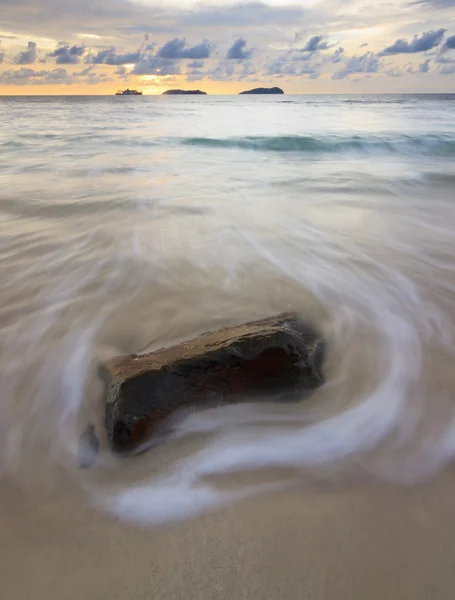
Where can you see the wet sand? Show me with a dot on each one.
(358, 543)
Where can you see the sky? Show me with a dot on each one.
(226, 46)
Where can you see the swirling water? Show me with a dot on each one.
(130, 223)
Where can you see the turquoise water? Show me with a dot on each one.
(129, 223)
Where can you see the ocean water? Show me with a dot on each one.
(131, 223)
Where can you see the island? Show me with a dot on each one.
(273, 90)
(184, 93)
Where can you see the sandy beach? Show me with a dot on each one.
(365, 543)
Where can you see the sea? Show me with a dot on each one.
(131, 223)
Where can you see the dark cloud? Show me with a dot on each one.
(364, 45)
(316, 43)
(8, 37)
(27, 57)
(435, 3)
(176, 49)
(166, 60)
(66, 54)
(27, 76)
(238, 50)
(196, 64)
(110, 56)
(419, 43)
(448, 70)
(449, 43)
(366, 63)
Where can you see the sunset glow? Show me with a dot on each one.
(221, 46)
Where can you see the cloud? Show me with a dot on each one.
(419, 43)
(281, 66)
(65, 54)
(449, 43)
(176, 49)
(338, 55)
(290, 65)
(166, 60)
(27, 57)
(394, 72)
(2, 54)
(27, 76)
(195, 71)
(121, 71)
(244, 14)
(110, 56)
(231, 70)
(59, 76)
(315, 43)
(237, 51)
(156, 65)
(91, 77)
(435, 3)
(448, 70)
(425, 66)
(196, 64)
(312, 71)
(364, 45)
(448, 65)
(366, 63)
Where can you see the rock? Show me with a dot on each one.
(273, 359)
(184, 92)
(273, 90)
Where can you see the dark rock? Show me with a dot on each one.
(184, 93)
(274, 359)
(273, 90)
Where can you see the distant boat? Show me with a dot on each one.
(128, 93)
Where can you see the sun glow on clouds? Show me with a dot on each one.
(155, 84)
(94, 36)
(366, 31)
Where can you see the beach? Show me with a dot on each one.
(135, 224)
(369, 543)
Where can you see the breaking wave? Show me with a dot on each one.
(428, 145)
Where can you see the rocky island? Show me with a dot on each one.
(273, 90)
(184, 93)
